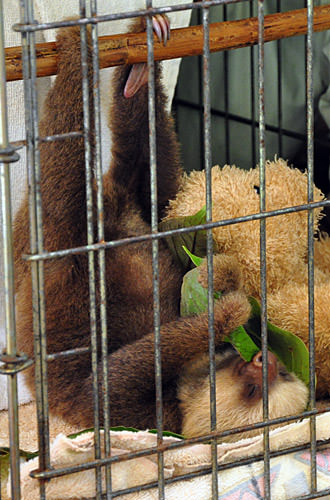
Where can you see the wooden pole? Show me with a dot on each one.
(132, 48)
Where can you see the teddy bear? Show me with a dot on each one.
(235, 193)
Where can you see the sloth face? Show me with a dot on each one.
(238, 394)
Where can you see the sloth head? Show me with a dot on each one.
(238, 394)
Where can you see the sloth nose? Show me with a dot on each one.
(257, 366)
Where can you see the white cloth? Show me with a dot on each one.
(55, 10)
(289, 474)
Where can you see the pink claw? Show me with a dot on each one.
(161, 27)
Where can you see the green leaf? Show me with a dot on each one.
(194, 297)
(194, 241)
(194, 258)
(121, 428)
(80, 433)
(289, 348)
(243, 343)
(167, 433)
(4, 465)
(193, 294)
(91, 429)
(5, 462)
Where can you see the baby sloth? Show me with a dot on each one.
(238, 393)
(184, 342)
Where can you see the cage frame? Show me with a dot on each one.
(13, 361)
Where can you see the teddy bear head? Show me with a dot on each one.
(236, 193)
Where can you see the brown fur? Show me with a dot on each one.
(128, 269)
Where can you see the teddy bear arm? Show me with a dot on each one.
(322, 254)
(226, 274)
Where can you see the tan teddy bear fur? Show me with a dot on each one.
(235, 194)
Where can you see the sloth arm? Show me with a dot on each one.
(132, 368)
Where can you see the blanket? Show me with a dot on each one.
(290, 473)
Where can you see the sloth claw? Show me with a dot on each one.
(161, 26)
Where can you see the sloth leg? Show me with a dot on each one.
(138, 75)
(129, 123)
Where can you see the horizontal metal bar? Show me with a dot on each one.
(202, 471)
(121, 15)
(59, 137)
(48, 474)
(70, 352)
(49, 138)
(8, 154)
(311, 496)
(12, 364)
(248, 121)
(205, 470)
(156, 236)
(183, 102)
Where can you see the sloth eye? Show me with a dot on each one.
(257, 189)
(285, 375)
(251, 390)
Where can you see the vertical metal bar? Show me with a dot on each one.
(253, 104)
(155, 248)
(36, 237)
(279, 91)
(226, 95)
(310, 174)
(101, 252)
(208, 178)
(263, 270)
(8, 267)
(90, 240)
(200, 99)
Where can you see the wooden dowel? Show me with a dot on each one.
(132, 48)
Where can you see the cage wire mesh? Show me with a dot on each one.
(13, 361)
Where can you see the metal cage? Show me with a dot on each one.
(13, 361)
